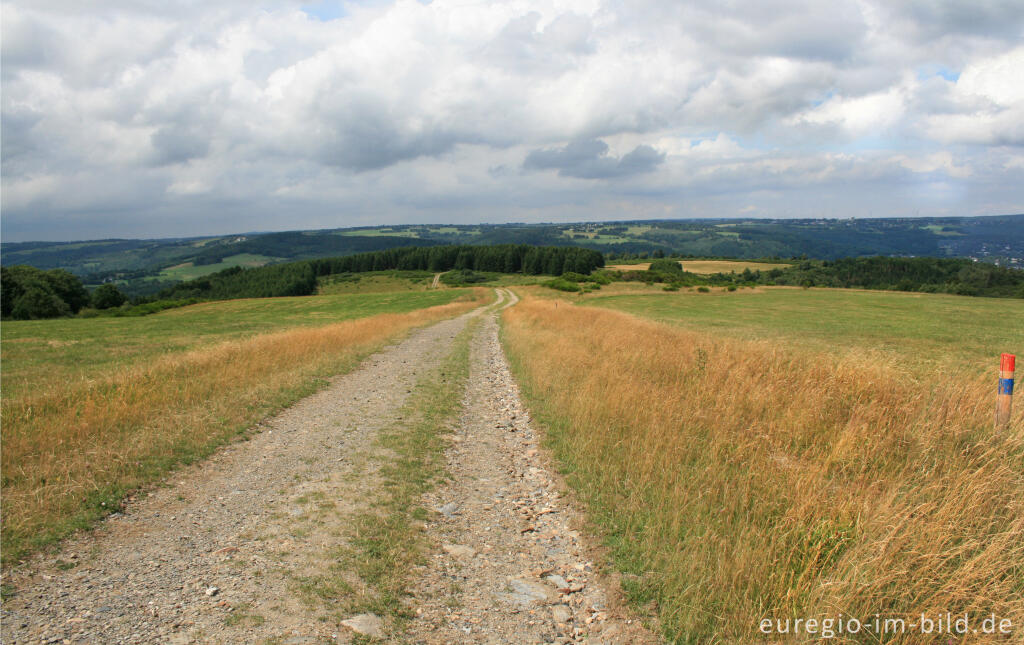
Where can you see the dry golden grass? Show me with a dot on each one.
(741, 480)
(70, 453)
(706, 266)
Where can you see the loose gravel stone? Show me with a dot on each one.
(366, 624)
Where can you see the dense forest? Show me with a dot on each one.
(300, 278)
(931, 275)
(296, 245)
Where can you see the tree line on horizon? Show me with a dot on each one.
(31, 293)
(300, 278)
(924, 275)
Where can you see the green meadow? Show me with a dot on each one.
(189, 271)
(375, 282)
(35, 352)
(908, 327)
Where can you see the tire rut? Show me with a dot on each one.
(512, 566)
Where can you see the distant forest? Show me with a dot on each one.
(144, 267)
(925, 275)
(929, 275)
(300, 278)
(30, 293)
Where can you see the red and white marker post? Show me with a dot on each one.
(1004, 398)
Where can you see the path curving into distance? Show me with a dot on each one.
(229, 550)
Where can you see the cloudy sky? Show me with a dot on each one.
(158, 118)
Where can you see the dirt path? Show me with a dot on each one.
(437, 281)
(232, 550)
(512, 566)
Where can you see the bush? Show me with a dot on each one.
(37, 302)
(731, 287)
(594, 278)
(106, 296)
(562, 285)
(664, 265)
(144, 309)
(463, 276)
(572, 276)
(703, 289)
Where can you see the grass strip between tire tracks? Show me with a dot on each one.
(388, 539)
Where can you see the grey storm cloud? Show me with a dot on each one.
(178, 145)
(589, 159)
(227, 113)
(360, 135)
(990, 19)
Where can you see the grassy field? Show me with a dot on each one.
(375, 282)
(189, 271)
(406, 281)
(739, 473)
(168, 389)
(911, 327)
(705, 266)
(39, 355)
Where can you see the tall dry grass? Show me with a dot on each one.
(69, 454)
(737, 481)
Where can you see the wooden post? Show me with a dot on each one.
(1004, 400)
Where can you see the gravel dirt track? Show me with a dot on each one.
(218, 554)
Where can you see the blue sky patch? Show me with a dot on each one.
(929, 71)
(325, 10)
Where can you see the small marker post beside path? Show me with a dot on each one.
(1004, 398)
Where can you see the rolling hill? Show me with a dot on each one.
(146, 266)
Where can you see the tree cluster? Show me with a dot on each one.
(930, 275)
(498, 258)
(927, 275)
(664, 265)
(29, 293)
(291, 279)
(300, 278)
